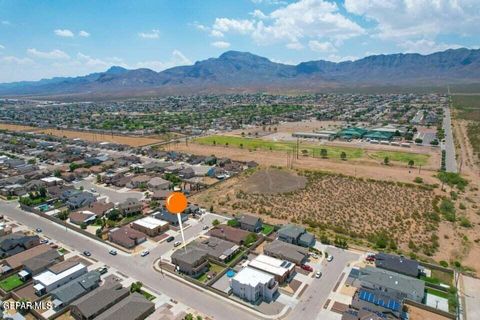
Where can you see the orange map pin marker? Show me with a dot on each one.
(176, 203)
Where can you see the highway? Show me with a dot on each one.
(449, 145)
(136, 267)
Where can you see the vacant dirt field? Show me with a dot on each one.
(369, 168)
(89, 136)
(356, 207)
(274, 181)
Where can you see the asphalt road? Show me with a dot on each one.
(450, 158)
(138, 268)
(315, 296)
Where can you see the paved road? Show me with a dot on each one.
(138, 268)
(471, 288)
(316, 294)
(450, 158)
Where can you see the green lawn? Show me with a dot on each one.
(253, 144)
(147, 295)
(212, 268)
(267, 229)
(444, 277)
(405, 157)
(438, 293)
(11, 283)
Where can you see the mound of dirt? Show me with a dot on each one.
(271, 181)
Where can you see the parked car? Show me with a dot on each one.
(38, 230)
(318, 274)
(205, 227)
(44, 241)
(102, 270)
(370, 259)
(87, 253)
(306, 267)
(170, 239)
(330, 258)
(113, 252)
(177, 243)
(145, 253)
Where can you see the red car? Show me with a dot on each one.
(306, 267)
(370, 259)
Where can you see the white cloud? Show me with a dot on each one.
(177, 58)
(200, 26)
(414, 20)
(295, 45)
(54, 54)
(221, 44)
(16, 60)
(318, 46)
(64, 33)
(2, 47)
(5, 22)
(425, 46)
(84, 34)
(337, 58)
(217, 34)
(269, 2)
(291, 23)
(153, 34)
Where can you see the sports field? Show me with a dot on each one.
(333, 152)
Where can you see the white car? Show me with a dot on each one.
(318, 274)
(177, 243)
(113, 252)
(330, 258)
(145, 253)
(205, 227)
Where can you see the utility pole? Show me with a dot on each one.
(297, 147)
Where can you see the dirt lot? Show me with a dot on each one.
(88, 136)
(274, 181)
(356, 207)
(421, 314)
(362, 168)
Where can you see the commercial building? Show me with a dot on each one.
(280, 269)
(254, 285)
(324, 134)
(150, 226)
(57, 275)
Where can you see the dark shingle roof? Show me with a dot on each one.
(397, 264)
(132, 307)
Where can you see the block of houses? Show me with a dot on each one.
(157, 183)
(130, 206)
(99, 300)
(15, 243)
(192, 262)
(282, 270)
(13, 190)
(57, 275)
(16, 262)
(41, 262)
(254, 285)
(398, 264)
(228, 233)
(71, 291)
(156, 166)
(286, 251)
(296, 235)
(126, 237)
(133, 307)
(250, 223)
(34, 185)
(150, 226)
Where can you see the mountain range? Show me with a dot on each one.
(235, 71)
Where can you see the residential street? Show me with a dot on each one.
(471, 293)
(450, 158)
(136, 267)
(313, 299)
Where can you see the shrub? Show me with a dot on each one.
(444, 263)
(418, 180)
(233, 223)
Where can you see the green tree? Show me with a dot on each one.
(99, 178)
(250, 239)
(57, 173)
(411, 163)
(215, 222)
(233, 223)
(188, 316)
(323, 153)
(343, 155)
(136, 287)
(386, 161)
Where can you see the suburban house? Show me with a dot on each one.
(57, 275)
(41, 262)
(81, 217)
(254, 285)
(94, 303)
(15, 243)
(250, 223)
(161, 194)
(228, 233)
(170, 218)
(130, 206)
(286, 251)
(398, 264)
(133, 307)
(186, 173)
(71, 291)
(89, 213)
(296, 235)
(138, 181)
(280, 269)
(52, 181)
(192, 262)
(398, 286)
(126, 237)
(80, 199)
(158, 183)
(16, 262)
(150, 226)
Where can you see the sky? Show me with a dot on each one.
(44, 39)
